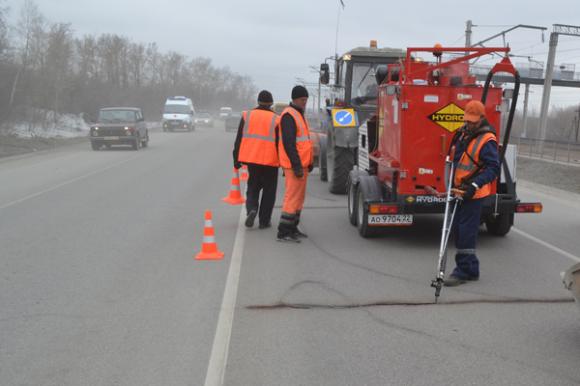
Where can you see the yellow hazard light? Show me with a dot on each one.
(437, 50)
(383, 209)
(530, 207)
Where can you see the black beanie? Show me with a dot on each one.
(265, 97)
(299, 92)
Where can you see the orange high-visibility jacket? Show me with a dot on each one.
(466, 167)
(258, 145)
(303, 143)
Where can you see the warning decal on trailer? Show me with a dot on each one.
(449, 117)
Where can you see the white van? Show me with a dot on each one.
(225, 112)
(178, 114)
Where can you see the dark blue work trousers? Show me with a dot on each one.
(262, 178)
(465, 230)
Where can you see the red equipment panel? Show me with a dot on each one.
(416, 124)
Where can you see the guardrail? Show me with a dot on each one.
(555, 151)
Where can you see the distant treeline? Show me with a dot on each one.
(43, 66)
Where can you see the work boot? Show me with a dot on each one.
(251, 217)
(288, 237)
(265, 226)
(299, 233)
(454, 281)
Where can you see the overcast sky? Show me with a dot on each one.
(275, 42)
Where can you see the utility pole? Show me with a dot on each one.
(526, 101)
(340, 7)
(468, 26)
(319, 95)
(547, 85)
(319, 72)
(559, 29)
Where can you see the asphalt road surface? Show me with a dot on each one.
(98, 284)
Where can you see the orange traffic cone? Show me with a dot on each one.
(235, 196)
(209, 248)
(245, 176)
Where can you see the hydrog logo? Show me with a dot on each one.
(449, 117)
(430, 200)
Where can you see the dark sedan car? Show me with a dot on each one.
(119, 126)
(203, 119)
(233, 121)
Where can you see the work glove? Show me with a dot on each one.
(468, 190)
(299, 172)
(238, 165)
(310, 168)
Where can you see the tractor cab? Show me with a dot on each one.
(355, 85)
(353, 99)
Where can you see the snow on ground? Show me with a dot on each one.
(54, 126)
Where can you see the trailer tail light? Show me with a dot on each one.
(530, 207)
(383, 209)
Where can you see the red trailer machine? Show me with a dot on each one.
(401, 171)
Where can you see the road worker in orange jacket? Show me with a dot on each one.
(255, 146)
(296, 158)
(474, 152)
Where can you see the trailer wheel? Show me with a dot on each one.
(499, 225)
(322, 159)
(340, 162)
(369, 189)
(352, 202)
(362, 214)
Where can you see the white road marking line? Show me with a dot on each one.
(547, 245)
(221, 342)
(65, 183)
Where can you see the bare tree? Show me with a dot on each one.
(4, 44)
(86, 53)
(59, 55)
(30, 31)
(136, 61)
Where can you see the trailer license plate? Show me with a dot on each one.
(390, 219)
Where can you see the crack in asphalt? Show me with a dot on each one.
(402, 278)
(390, 303)
(367, 308)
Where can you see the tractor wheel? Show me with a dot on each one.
(340, 162)
(499, 225)
(369, 189)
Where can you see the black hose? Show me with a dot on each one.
(512, 112)
(508, 128)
